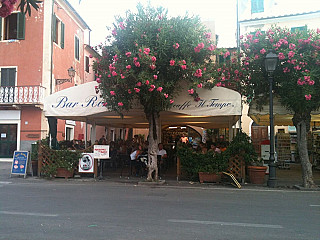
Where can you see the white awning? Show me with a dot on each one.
(217, 108)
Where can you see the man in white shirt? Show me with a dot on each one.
(162, 155)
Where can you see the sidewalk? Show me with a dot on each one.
(286, 179)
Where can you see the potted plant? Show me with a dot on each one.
(65, 162)
(257, 171)
(211, 167)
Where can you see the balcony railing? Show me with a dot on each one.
(22, 95)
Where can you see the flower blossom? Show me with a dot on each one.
(128, 54)
(211, 47)
(129, 91)
(136, 90)
(292, 46)
(104, 104)
(114, 73)
(128, 67)
(121, 25)
(155, 77)
(263, 51)
(200, 85)
(146, 51)
(171, 101)
(98, 80)
(147, 82)
(152, 87)
(112, 93)
(137, 64)
(153, 59)
(198, 73)
(166, 95)
(291, 54)
(90, 56)
(139, 84)
(159, 89)
(120, 104)
(184, 67)
(191, 91)
(114, 32)
(199, 47)
(308, 97)
(153, 67)
(281, 56)
(176, 45)
(207, 35)
(172, 62)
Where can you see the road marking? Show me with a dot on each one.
(5, 182)
(29, 214)
(225, 223)
(314, 205)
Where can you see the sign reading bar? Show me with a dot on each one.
(101, 151)
(20, 163)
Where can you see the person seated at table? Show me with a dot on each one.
(134, 156)
(214, 148)
(203, 148)
(162, 156)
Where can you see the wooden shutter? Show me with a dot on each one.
(77, 49)
(87, 64)
(54, 27)
(21, 20)
(62, 35)
(8, 77)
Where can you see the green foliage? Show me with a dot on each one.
(242, 146)
(192, 162)
(297, 77)
(135, 62)
(26, 5)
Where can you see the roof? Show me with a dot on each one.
(73, 11)
(280, 16)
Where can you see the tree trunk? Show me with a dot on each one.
(153, 119)
(302, 123)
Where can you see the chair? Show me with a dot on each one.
(125, 162)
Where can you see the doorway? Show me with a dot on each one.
(8, 140)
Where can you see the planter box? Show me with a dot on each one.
(65, 173)
(209, 177)
(257, 174)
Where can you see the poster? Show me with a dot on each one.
(101, 151)
(86, 163)
(20, 162)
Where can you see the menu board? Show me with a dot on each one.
(101, 151)
(20, 162)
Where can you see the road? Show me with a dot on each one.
(50, 210)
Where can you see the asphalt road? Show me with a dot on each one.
(50, 210)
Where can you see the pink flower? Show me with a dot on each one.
(199, 47)
(120, 104)
(128, 54)
(184, 67)
(128, 67)
(104, 104)
(136, 90)
(109, 76)
(112, 93)
(292, 46)
(90, 56)
(207, 35)
(256, 57)
(147, 82)
(291, 54)
(121, 25)
(226, 54)
(281, 56)
(122, 76)
(137, 64)
(153, 59)
(155, 77)
(286, 70)
(200, 85)
(159, 89)
(176, 45)
(198, 73)
(211, 47)
(308, 97)
(172, 62)
(256, 40)
(139, 84)
(98, 80)
(135, 59)
(129, 91)
(166, 95)
(146, 51)
(262, 51)
(153, 67)
(191, 91)
(114, 73)
(171, 101)
(114, 32)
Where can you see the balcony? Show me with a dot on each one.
(21, 95)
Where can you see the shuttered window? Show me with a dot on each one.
(76, 48)
(8, 77)
(257, 6)
(12, 27)
(58, 31)
(303, 28)
(87, 64)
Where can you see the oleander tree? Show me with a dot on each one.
(148, 58)
(296, 80)
(25, 6)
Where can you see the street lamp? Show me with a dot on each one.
(71, 73)
(270, 62)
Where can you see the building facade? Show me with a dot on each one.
(36, 52)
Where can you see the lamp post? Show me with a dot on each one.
(71, 74)
(270, 62)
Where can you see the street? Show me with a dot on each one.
(100, 210)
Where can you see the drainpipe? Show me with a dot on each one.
(51, 67)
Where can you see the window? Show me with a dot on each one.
(58, 31)
(12, 27)
(87, 64)
(303, 28)
(76, 48)
(257, 6)
(8, 77)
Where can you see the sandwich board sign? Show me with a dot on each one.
(86, 163)
(20, 163)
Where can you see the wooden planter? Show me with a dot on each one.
(257, 174)
(65, 173)
(209, 177)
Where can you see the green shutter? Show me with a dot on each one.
(62, 35)
(21, 20)
(0, 28)
(54, 26)
(76, 41)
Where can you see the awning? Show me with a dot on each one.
(281, 115)
(219, 107)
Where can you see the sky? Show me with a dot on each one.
(99, 14)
